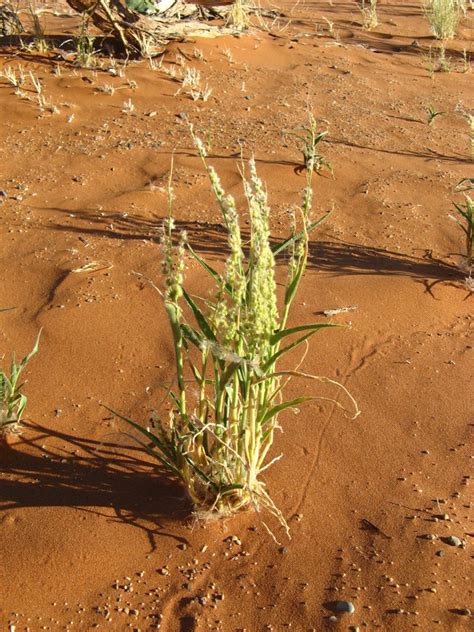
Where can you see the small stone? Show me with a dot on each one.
(439, 553)
(341, 606)
(452, 540)
(333, 619)
(182, 115)
(182, 546)
(283, 550)
(462, 612)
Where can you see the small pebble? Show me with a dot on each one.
(341, 606)
(452, 540)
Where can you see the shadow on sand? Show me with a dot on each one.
(104, 474)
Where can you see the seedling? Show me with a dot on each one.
(12, 400)
(229, 390)
(128, 107)
(202, 94)
(309, 139)
(198, 54)
(191, 78)
(432, 114)
(14, 79)
(85, 45)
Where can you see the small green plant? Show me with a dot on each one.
(466, 222)
(432, 114)
(368, 11)
(229, 390)
(12, 400)
(86, 54)
(309, 138)
(436, 60)
(444, 16)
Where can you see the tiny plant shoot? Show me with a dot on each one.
(309, 139)
(12, 400)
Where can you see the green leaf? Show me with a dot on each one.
(277, 248)
(200, 318)
(279, 335)
(283, 406)
(28, 357)
(154, 440)
(294, 344)
(215, 275)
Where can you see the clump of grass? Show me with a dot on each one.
(86, 54)
(239, 15)
(203, 93)
(12, 400)
(309, 139)
(14, 79)
(465, 220)
(368, 11)
(229, 389)
(191, 78)
(444, 16)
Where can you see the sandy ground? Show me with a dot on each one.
(93, 536)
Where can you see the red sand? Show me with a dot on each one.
(84, 514)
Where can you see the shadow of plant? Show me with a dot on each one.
(103, 474)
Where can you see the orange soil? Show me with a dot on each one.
(85, 514)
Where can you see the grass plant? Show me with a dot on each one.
(444, 16)
(229, 389)
(368, 11)
(12, 400)
(14, 79)
(432, 114)
(86, 54)
(239, 15)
